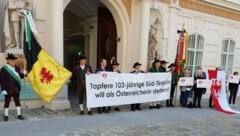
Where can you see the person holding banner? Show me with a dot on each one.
(155, 69)
(198, 91)
(163, 68)
(102, 68)
(115, 68)
(136, 70)
(79, 74)
(173, 84)
(233, 88)
(185, 90)
(11, 85)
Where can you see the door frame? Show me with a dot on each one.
(122, 21)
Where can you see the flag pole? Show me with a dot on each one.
(27, 5)
(24, 86)
(179, 55)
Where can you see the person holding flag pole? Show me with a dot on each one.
(181, 54)
(11, 85)
(79, 73)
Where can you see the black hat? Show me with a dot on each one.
(155, 61)
(136, 64)
(10, 56)
(164, 62)
(81, 56)
(114, 61)
(172, 65)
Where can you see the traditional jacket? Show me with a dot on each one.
(154, 70)
(174, 78)
(162, 69)
(79, 73)
(134, 71)
(8, 82)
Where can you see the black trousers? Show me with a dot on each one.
(233, 94)
(135, 106)
(197, 97)
(102, 109)
(15, 95)
(170, 101)
(81, 89)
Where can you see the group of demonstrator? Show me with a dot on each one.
(10, 84)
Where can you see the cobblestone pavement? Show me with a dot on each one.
(209, 126)
(166, 121)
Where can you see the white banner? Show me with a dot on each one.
(233, 79)
(126, 88)
(204, 83)
(185, 81)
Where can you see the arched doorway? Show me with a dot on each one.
(90, 27)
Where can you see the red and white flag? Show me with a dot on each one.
(218, 92)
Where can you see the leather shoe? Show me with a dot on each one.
(89, 112)
(117, 109)
(5, 118)
(81, 113)
(20, 117)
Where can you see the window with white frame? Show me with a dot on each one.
(195, 52)
(227, 55)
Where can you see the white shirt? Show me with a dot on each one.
(83, 66)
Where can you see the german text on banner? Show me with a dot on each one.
(127, 88)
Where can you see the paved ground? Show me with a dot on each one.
(165, 121)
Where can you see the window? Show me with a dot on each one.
(228, 49)
(195, 52)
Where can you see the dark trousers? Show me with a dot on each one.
(233, 94)
(15, 95)
(102, 109)
(170, 101)
(197, 97)
(184, 98)
(81, 89)
(135, 106)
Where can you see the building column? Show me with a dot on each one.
(56, 46)
(2, 6)
(144, 31)
(172, 33)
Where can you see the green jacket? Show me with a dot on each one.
(154, 70)
(162, 69)
(174, 79)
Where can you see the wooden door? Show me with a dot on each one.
(107, 36)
